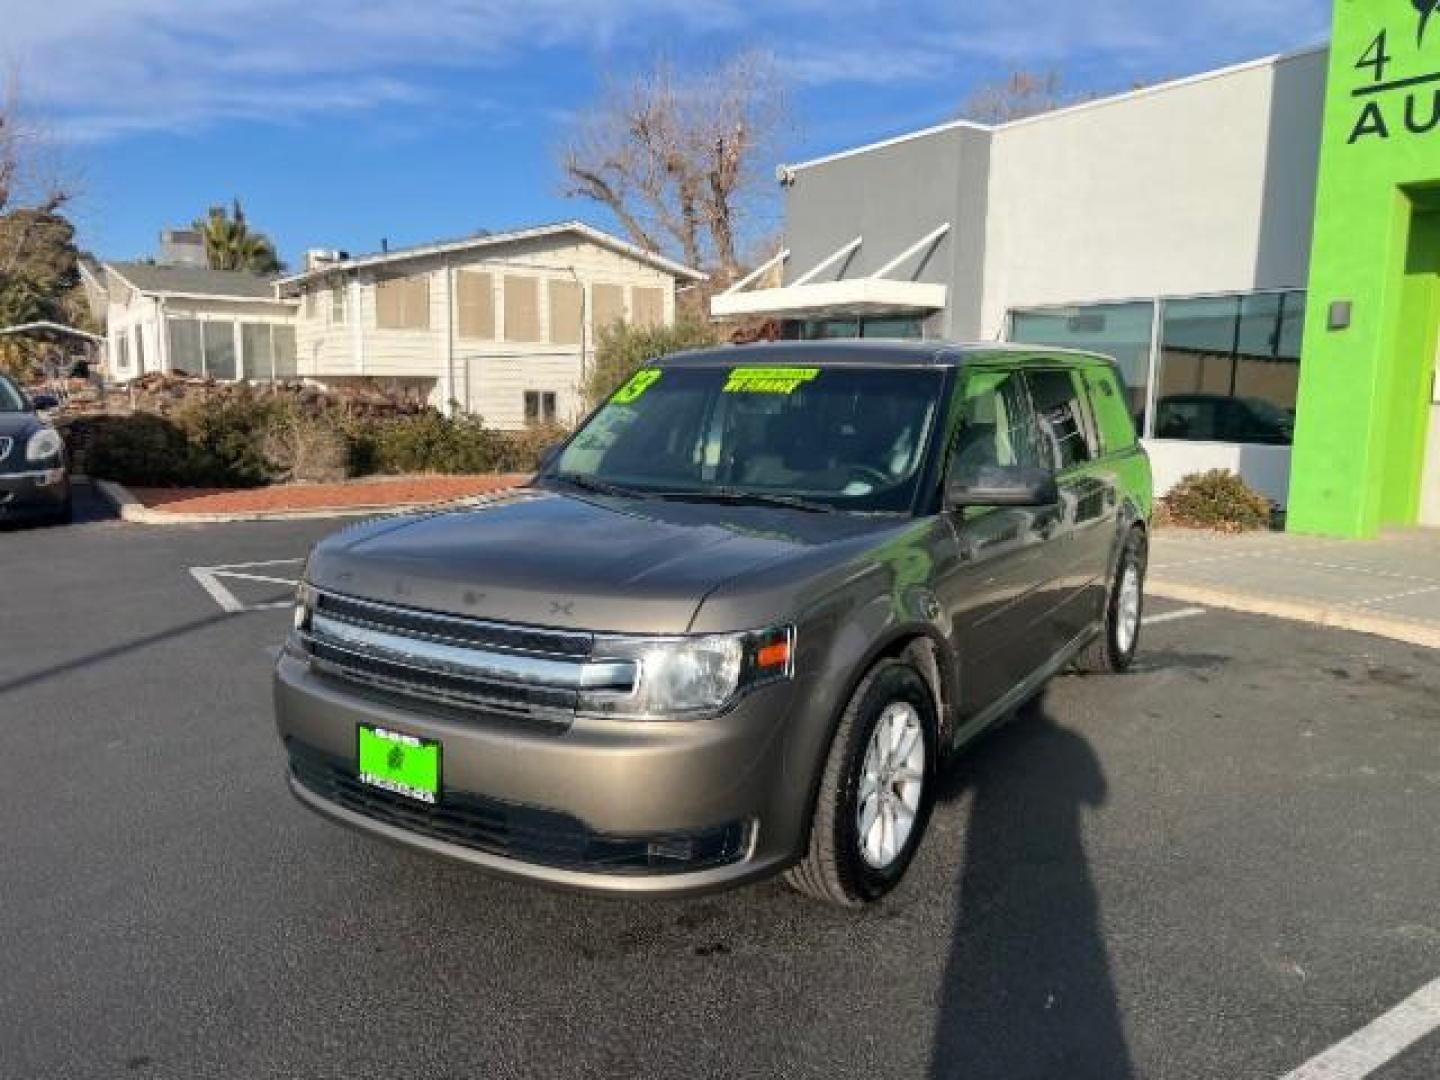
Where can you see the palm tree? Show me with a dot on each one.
(231, 245)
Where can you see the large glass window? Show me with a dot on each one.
(1123, 331)
(284, 346)
(219, 350)
(1230, 369)
(259, 358)
(892, 327)
(187, 353)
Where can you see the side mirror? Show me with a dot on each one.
(996, 485)
(44, 402)
(548, 456)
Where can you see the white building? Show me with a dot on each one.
(501, 326)
(1169, 227)
(220, 323)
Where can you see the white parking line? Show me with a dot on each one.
(1379, 1042)
(210, 579)
(1171, 616)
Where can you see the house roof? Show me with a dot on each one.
(194, 281)
(477, 243)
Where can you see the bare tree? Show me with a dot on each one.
(1022, 94)
(27, 181)
(678, 159)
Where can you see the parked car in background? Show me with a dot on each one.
(34, 477)
(734, 625)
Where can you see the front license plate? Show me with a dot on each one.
(399, 763)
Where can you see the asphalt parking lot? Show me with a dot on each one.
(1218, 865)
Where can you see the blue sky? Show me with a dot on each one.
(339, 122)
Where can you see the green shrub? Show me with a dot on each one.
(142, 449)
(229, 433)
(623, 348)
(242, 440)
(1216, 500)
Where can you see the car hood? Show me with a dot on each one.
(14, 425)
(592, 563)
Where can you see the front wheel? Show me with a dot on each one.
(876, 791)
(1119, 639)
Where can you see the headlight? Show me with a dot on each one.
(44, 445)
(304, 605)
(683, 677)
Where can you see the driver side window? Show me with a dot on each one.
(997, 426)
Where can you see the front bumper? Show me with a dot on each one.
(34, 493)
(658, 808)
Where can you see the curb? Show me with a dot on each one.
(1326, 615)
(132, 509)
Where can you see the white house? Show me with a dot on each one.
(500, 325)
(221, 323)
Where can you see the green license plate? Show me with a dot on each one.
(400, 763)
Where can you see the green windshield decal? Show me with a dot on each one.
(635, 389)
(769, 380)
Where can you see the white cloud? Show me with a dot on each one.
(108, 68)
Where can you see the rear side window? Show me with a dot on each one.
(1112, 413)
(1060, 406)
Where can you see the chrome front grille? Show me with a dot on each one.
(489, 670)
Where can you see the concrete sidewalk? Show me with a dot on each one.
(1388, 586)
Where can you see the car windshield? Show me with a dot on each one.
(829, 437)
(11, 400)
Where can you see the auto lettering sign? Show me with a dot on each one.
(1398, 95)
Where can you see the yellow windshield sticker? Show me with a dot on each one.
(635, 389)
(769, 380)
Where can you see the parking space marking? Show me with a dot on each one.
(212, 580)
(1379, 1042)
(1171, 616)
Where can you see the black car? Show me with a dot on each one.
(34, 479)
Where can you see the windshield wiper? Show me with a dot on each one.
(757, 498)
(590, 483)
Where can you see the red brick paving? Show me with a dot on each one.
(391, 491)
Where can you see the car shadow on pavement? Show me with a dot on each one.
(114, 652)
(1028, 991)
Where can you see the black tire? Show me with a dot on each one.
(1108, 653)
(65, 515)
(833, 868)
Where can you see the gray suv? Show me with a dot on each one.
(734, 625)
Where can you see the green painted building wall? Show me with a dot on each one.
(1365, 388)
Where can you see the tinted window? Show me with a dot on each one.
(1117, 432)
(11, 400)
(997, 426)
(1230, 368)
(1064, 420)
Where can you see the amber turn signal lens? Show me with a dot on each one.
(776, 654)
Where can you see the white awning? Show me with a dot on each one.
(807, 298)
(826, 299)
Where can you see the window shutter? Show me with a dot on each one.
(476, 303)
(609, 301)
(565, 312)
(522, 309)
(649, 306)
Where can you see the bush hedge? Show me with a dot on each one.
(1216, 500)
(245, 440)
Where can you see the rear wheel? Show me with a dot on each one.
(876, 791)
(1119, 639)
